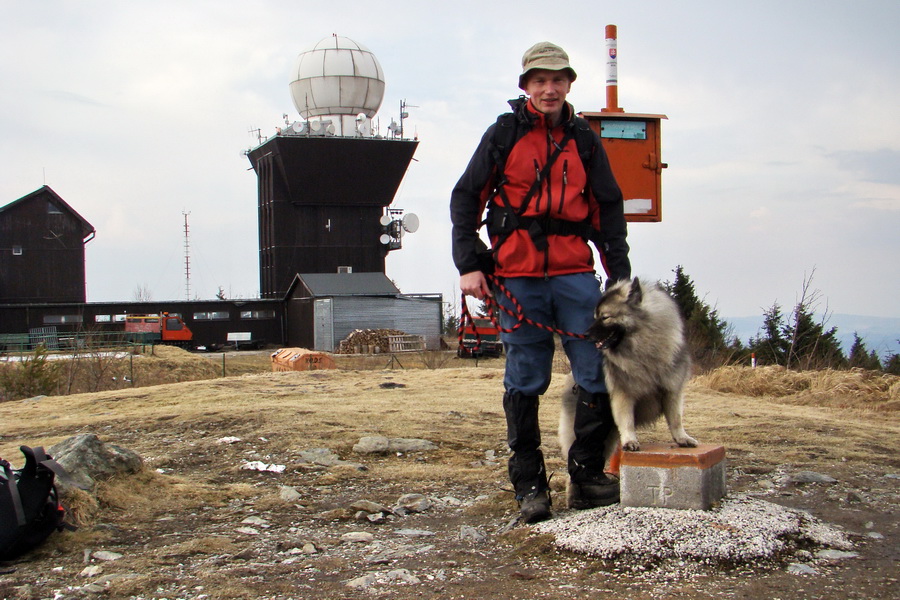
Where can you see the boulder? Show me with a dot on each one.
(88, 459)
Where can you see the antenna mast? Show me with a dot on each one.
(187, 256)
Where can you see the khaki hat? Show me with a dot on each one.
(545, 55)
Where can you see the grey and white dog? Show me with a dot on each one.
(646, 361)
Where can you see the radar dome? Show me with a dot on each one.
(337, 77)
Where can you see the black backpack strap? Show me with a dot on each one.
(13, 491)
(584, 141)
(36, 457)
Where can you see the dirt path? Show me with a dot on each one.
(195, 524)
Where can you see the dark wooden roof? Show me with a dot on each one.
(86, 228)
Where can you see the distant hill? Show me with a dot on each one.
(881, 334)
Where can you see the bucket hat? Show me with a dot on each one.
(545, 55)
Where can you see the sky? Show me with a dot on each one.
(782, 137)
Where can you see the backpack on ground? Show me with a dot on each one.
(30, 509)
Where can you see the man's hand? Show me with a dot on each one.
(474, 284)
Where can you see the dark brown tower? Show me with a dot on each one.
(320, 200)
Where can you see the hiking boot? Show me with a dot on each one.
(591, 491)
(535, 507)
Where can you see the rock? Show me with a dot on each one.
(87, 459)
(362, 537)
(326, 458)
(376, 517)
(363, 582)
(402, 575)
(258, 521)
(106, 555)
(91, 571)
(414, 532)
(379, 444)
(369, 507)
(874, 535)
(829, 554)
(288, 494)
(411, 445)
(800, 569)
(247, 530)
(309, 548)
(414, 502)
(811, 477)
(467, 533)
(372, 444)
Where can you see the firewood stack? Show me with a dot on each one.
(367, 341)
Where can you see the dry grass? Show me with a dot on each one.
(856, 388)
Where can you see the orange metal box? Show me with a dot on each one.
(633, 144)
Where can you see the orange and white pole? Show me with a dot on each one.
(612, 71)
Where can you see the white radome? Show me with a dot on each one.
(337, 78)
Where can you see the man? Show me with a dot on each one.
(546, 196)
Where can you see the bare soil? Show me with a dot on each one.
(182, 528)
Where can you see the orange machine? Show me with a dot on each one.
(633, 143)
(164, 328)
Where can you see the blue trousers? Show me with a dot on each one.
(566, 302)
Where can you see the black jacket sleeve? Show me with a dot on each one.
(467, 204)
(610, 240)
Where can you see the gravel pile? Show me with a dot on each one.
(740, 530)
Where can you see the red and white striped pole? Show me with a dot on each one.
(612, 71)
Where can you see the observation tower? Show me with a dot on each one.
(325, 181)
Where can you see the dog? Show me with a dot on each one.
(646, 363)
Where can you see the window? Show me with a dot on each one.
(59, 319)
(257, 314)
(17, 250)
(102, 318)
(213, 315)
(53, 209)
(173, 324)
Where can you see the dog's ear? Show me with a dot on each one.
(635, 294)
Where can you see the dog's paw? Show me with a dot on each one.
(631, 446)
(687, 442)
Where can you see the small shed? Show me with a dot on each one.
(324, 308)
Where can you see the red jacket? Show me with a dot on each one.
(566, 195)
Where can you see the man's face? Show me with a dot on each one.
(548, 90)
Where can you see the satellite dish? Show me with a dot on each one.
(361, 118)
(297, 127)
(384, 238)
(410, 223)
(385, 220)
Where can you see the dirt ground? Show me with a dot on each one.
(194, 524)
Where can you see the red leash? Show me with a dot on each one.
(493, 307)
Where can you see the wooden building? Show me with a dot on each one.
(42, 242)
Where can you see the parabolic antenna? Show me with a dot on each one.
(385, 220)
(410, 223)
(385, 238)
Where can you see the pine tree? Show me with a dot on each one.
(707, 334)
(771, 346)
(860, 357)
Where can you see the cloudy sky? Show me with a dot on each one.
(782, 138)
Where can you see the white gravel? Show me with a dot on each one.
(740, 530)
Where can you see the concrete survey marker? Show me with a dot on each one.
(668, 476)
